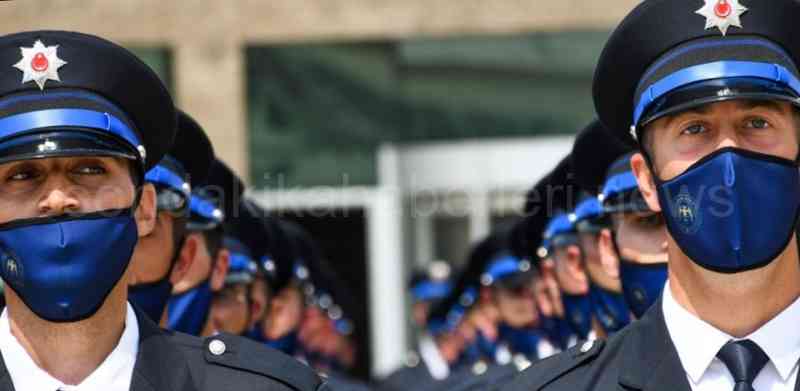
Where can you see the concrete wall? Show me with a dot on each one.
(207, 37)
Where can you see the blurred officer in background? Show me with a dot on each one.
(212, 202)
(427, 287)
(81, 123)
(637, 240)
(156, 264)
(232, 306)
(710, 95)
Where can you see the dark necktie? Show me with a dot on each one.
(744, 360)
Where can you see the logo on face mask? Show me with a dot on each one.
(13, 269)
(684, 210)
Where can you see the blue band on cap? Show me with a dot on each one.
(81, 118)
(205, 209)
(242, 263)
(714, 70)
(588, 209)
(619, 184)
(559, 225)
(430, 290)
(504, 266)
(165, 177)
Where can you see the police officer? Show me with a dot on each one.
(631, 242)
(213, 202)
(232, 306)
(636, 240)
(426, 287)
(155, 265)
(82, 120)
(708, 89)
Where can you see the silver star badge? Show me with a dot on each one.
(722, 14)
(39, 63)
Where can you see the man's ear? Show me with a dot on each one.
(220, 269)
(608, 254)
(644, 177)
(145, 214)
(574, 264)
(186, 257)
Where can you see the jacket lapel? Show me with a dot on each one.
(160, 365)
(651, 362)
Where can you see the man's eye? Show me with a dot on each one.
(757, 123)
(694, 129)
(21, 176)
(90, 170)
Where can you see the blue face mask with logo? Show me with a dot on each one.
(609, 308)
(64, 267)
(734, 210)
(187, 312)
(642, 284)
(578, 313)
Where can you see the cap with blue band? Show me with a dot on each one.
(431, 290)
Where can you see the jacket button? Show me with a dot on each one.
(217, 347)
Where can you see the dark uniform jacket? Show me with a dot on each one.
(640, 357)
(171, 361)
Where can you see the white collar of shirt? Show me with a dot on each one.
(113, 374)
(430, 354)
(698, 342)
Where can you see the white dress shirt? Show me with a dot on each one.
(113, 374)
(698, 343)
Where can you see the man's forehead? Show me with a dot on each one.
(66, 160)
(738, 104)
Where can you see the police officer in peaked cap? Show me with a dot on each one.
(156, 264)
(213, 203)
(81, 122)
(709, 90)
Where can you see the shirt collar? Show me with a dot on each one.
(698, 342)
(783, 351)
(113, 374)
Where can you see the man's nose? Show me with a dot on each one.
(58, 200)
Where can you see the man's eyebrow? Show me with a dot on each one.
(750, 104)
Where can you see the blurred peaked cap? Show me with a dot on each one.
(192, 149)
(594, 150)
(670, 55)
(67, 93)
(222, 188)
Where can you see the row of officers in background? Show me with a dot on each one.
(131, 260)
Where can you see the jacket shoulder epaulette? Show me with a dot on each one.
(243, 354)
(545, 371)
(230, 359)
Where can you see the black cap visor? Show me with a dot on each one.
(714, 91)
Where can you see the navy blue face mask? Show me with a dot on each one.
(610, 309)
(523, 341)
(64, 267)
(557, 331)
(578, 312)
(286, 344)
(151, 297)
(734, 210)
(642, 284)
(188, 311)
